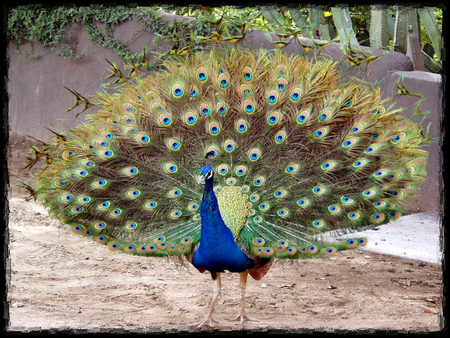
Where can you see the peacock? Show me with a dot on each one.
(233, 158)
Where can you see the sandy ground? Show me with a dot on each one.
(61, 281)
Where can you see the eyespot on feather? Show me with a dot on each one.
(223, 80)
(362, 241)
(324, 116)
(254, 154)
(130, 248)
(282, 71)
(368, 193)
(241, 170)
(302, 117)
(104, 205)
(87, 163)
(177, 90)
(349, 142)
(328, 165)
(173, 144)
(379, 204)
(351, 243)
(175, 214)
(151, 248)
(258, 241)
(247, 73)
(292, 168)
(280, 193)
(231, 181)
(229, 145)
(114, 246)
(142, 138)
(360, 163)
(77, 229)
(257, 219)
(334, 209)
(330, 252)
(162, 245)
(241, 126)
(291, 251)
(346, 200)
(190, 118)
(116, 212)
(318, 190)
(142, 249)
(268, 251)
(60, 182)
(245, 90)
(282, 84)
(303, 202)
(354, 215)
(150, 205)
(170, 168)
(67, 154)
(205, 109)
(132, 193)
(254, 197)
(99, 183)
(272, 97)
(280, 137)
(165, 120)
(283, 213)
(264, 206)
(83, 199)
(223, 169)
(321, 133)
(102, 239)
(318, 224)
(202, 74)
(249, 106)
(377, 218)
(193, 92)
(100, 225)
(222, 109)
(274, 118)
(295, 95)
(258, 181)
(175, 193)
(214, 128)
(311, 249)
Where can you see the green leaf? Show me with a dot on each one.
(429, 21)
(271, 14)
(379, 30)
(343, 23)
(401, 30)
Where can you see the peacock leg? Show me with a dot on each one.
(208, 321)
(242, 317)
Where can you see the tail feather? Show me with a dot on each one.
(297, 153)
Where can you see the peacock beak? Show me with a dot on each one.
(201, 179)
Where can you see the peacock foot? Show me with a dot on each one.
(208, 321)
(242, 319)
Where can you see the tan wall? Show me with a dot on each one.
(37, 97)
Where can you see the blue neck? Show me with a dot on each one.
(208, 192)
(217, 250)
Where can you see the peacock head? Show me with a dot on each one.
(207, 172)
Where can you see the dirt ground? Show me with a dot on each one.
(61, 281)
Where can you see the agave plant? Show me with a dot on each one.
(397, 28)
